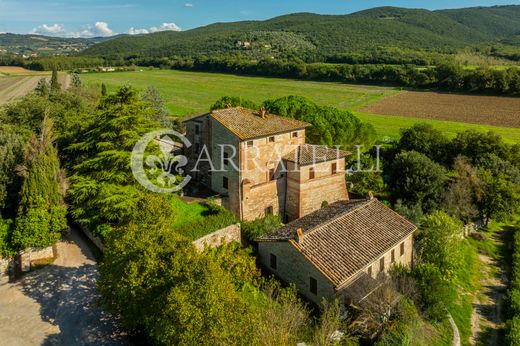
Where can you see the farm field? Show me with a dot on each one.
(488, 110)
(19, 71)
(193, 92)
(17, 82)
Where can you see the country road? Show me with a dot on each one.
(58, 304)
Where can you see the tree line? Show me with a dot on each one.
(443, 76)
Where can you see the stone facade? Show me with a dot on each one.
(292, 267)
(311, 187)
(251, 175)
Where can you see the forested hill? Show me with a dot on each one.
(311, 36)
(29, 44)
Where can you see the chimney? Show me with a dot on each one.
(370, 196)
(228, 105)
(263, 112)
(299, 236)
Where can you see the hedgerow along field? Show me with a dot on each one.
(189, 93)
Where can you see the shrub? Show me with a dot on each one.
(513, 331)
(218, 217)
(259, 227)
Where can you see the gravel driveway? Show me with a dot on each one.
(58, 304)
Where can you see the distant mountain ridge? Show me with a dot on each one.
(307, 33)
(312, 36)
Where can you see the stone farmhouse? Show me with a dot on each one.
(259, 163)
(330, 246)
(340, 250)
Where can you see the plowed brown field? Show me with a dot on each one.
(476, 109)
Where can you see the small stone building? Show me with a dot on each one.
(340, 250)
(259, 164)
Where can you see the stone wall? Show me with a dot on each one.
(4, 270)
(29, 256)
(293, 267)
(95, 240)
(223, 236)
(305, 195)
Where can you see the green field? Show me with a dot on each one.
(194, 92)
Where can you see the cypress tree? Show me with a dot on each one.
(41, 212)
(103, 89)
(55, 85)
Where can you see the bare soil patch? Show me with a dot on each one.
(475, 109)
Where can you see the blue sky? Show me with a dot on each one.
(108, 17)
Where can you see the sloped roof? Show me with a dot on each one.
(308, 154)
(247, 124)
(344, 237)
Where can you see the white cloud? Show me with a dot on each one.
(162, 27)
(134, 31)
(54, 29)
(188, 4)
(99, 29)
(103, 29)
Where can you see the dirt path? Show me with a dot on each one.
(487, 320)
(58, 304)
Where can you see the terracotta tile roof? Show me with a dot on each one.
(308, 154)
(247, 123)
(344, 237)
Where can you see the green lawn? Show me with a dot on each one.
(187, 214)
(189, 93)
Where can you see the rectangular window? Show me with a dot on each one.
(271, 139)
(382, 265)
(295, 134)
(393, 255)
(334, 168)
(402, 248)
(370, 271)
(250, 144)
(271, 174)
(226, 158)
(272, 261)
(197, 129)
(313, 286)
(268, 210)
(312, 173)
(225, 183)
(197, 148)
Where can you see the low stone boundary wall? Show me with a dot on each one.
(223, 236)
(30, 255)
(95, 240)
(4, 270)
